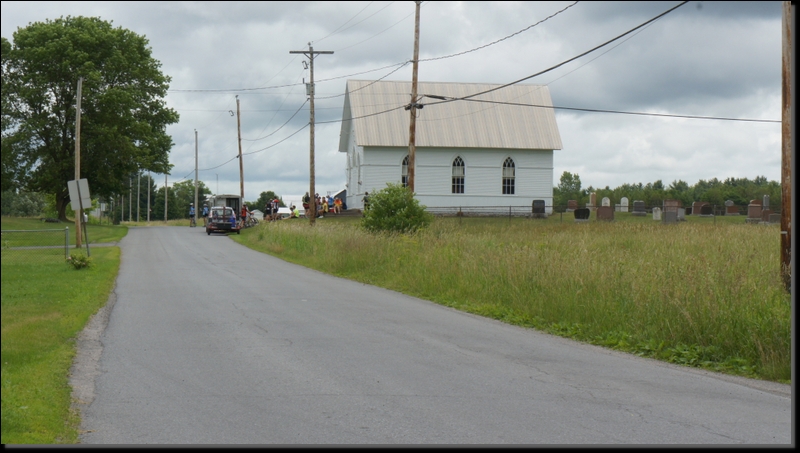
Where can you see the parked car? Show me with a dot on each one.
(219, 220)
(284, 212)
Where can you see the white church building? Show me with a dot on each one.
(483, 152)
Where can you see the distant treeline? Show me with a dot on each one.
(714, 191)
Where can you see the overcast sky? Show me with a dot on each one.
(709, 59)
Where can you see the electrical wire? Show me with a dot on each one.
(621, 112)
(501, 39)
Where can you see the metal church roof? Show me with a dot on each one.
(502, 118)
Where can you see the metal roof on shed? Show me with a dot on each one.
(502, 118)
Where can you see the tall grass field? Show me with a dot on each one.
(699, 293)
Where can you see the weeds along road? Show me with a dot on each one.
(208, 342)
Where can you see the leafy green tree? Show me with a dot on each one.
(263, 199)
(394, 209)
(174, 210)
(184, 196)
(10, 177)
(569, 188)
(23, 204)
(123, 114)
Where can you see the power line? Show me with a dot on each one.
(502, 39)
(668, 115)
(281, 127)
(400, 65)
(581, 55)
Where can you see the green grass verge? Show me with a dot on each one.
(699, 293)
(45, 304)
(97, 233)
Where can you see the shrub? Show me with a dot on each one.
(394, 209)
(23, 204)
(79, 260)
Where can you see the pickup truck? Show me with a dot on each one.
(219, 220)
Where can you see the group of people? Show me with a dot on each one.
(192, 215)
(324, 204)
(271, 210)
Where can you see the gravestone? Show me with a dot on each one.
(638, 208)
(656, 213)
(681, 214)
(592, 201)
(765, 202)
(582, 214)
(572, 205)
(774, 218)
(707, 210)
(605, 213)
(606, 202)
(670, 216)
(753, 212)
(671, 206)
(697, 207)
(538, 209)
(730, 208)
(765, 215)
(624, 204)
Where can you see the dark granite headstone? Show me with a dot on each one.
(538, 209)
(638, 208)
(582, 214)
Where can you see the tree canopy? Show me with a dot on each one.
(123, 114)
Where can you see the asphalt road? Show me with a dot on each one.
(207, 342)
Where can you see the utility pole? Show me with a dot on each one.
(196, 207)
(310, 90)
(138, 190)
(787, 145)
(149, 183)
(412, 133)
(241, 162)
(130, 198)
(79, 214)
(166, 197)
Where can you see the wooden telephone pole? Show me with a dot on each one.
(412, 132)
(787, 145)
(196, 207)
(310, 53)
(241, 163)
(79, 213)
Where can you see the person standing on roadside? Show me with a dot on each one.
(191, 214)
(366, 201)
(275, 204)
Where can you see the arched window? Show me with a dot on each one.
(458, 175)
(404, 172)
(508, 177)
